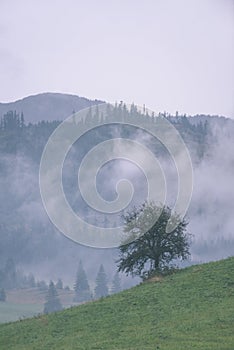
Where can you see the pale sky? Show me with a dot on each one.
(168, 54)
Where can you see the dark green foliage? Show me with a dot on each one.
(155, 250)
(2, 294)
(53, 303)
(81, 286)
(116, 284)
(101, 289)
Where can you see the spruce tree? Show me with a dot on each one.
(81, 286)
(53, 303)
(101, 289)
(116, 284)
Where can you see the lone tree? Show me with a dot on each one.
(152, 250)
(101, 289)
(53, 303)
(81, 286)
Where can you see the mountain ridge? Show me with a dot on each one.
(47, 106)
(51, 106)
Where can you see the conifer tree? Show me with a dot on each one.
(116, 284)
(81, 286)
(53, 303)
(101, 289)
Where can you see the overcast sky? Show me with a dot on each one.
(168, 54)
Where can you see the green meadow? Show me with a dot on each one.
(190, 309)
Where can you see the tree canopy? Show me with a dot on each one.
(146, 252)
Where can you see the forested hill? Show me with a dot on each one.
(26, 233)
(19, 136)
(47, 106)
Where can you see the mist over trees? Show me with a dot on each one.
(27, 234)
(12, 277)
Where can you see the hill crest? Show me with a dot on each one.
(47, 106)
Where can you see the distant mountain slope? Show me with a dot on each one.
(192, 309)
(47, 106)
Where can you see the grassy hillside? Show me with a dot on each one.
(192, 309)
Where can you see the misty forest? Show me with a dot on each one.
(116, 175)
(33, 254)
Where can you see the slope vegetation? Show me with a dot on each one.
(192, 309)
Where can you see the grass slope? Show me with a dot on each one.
(192, 309)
